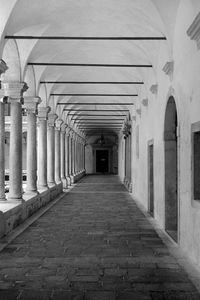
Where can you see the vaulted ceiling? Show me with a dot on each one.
(92, 58)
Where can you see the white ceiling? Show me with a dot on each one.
(117, 18)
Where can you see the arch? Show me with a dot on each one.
(171, 169)
(12, 59)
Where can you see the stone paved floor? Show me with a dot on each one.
(94, 244)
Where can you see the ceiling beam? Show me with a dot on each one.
(89, 65)
(98, 120)
(98, 123)
(92, 82)
(92, 115)
(88, 38)
(96, 110)
(94, 95)
(101, 103)
(104, 119)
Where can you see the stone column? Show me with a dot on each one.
(72, 156)
(76, 154)
(51, 149)
(2, 143)
(57, 151)
(42, 146)
(14, 92)
(63, 155)
(67, 156)
(3, 68)
(31, 103)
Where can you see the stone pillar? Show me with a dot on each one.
(51, 149)
(31, 103)
(67, 156)
(3, 68)
(14, 92)
(63, 155)
(2, 143)
(76, 154)
(42, 146)
(57, 151)
(72, 156)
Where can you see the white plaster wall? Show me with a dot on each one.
(185, 88)
(121, 157)
(89, 158)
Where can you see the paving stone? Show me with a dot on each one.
(93, 244)
(9, 294)
(102, 295)
(35, 295)
(67, 295)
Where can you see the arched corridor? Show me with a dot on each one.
(99, 119)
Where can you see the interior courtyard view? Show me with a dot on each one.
(99, 149)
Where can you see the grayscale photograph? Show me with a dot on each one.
(99, 149)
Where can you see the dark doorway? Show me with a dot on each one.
(102, 161)
(171, 169)
(151, 180)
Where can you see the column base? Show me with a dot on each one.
(51, 184)
(68, 180)
(65, 183)
(72, 179)
(3, 200)
(42, 188)
(15, 200)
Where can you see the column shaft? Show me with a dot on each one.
(57, 156)
(51, 155)
(15, 158)
(62, 155)
(42, 153)
(31, 153)
(2, 159)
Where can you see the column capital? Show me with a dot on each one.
(51, 119)
(14, 90)
(43, 112)
(3, 66)
(58, 124)
(31, 103)
(72, 134)
(63, 127)
(68, 130)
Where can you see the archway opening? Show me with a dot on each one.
(171, 169)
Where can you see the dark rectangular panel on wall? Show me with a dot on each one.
(196, 161)
(150, 178)
(196, 165)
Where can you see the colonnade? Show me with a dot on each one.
(55, 152)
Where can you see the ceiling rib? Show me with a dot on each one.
(93, 38)
(95, 95)
(92, 115)
(72, 109)
(101, 103)
(92, 82)
(90, 65)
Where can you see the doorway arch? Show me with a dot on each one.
(171, 169)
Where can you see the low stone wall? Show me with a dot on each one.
(13, 214)
(76, 177)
